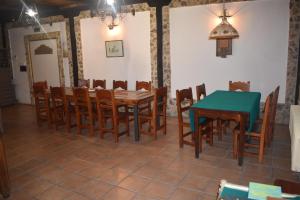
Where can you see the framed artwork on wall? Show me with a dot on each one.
(114, 48)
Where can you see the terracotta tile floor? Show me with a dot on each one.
(54, 165)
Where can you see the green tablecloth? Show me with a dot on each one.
(231, 101)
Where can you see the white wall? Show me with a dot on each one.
(259, 54)
(18, 54)
(136, 63)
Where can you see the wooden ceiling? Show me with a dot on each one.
(10, 9)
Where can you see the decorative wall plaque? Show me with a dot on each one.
(43, 49)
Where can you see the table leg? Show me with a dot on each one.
(136, 122)
(196, 133)
(241, 142)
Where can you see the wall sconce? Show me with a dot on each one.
(224, 33)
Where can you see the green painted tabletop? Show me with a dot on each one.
(231, 101)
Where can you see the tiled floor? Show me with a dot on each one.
(45, 164)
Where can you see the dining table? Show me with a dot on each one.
(243, 107)
(131, 98)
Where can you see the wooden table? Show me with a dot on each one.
(130, 98)
(4, 179)
(242, 107)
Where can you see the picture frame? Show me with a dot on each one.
(114, 48)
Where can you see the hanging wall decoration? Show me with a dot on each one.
(223, 34)
(114, 48)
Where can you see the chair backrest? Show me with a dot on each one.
(139, 85)
(105, 100)
(267, 117)
(84, 83)
(101, 83)
(160, 101)
(200, 91)
(81, 97)
(184, 100)
(58, 96)
(273, 110)
(120, 84)
(242, 86)
(39, 89)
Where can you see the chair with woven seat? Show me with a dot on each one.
(259, 136)
(239, 86)
(107, 108)
(200, 91)
(42, 102)
(120, 85)
(59, 106)
(84, 110)
(99, 84)
(157, 117)
(184, 101)
(84, 83)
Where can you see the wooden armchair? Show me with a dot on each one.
(107, 108)
(242, 86)
(42, 102)
(84, 110)
(200, 91)
(159, 110)
(120, 84)
(84, 83)
(101, 83)
(259, 137)
(59, 106)
(184, 101)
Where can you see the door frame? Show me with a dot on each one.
(44, 36)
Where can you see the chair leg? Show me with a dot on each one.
(200, 140)
(165, 124)
(78, 122)
(235, 144)
(116, 134)
(91, 125)
(180, 136)
(127, 126)
(219, 129)
(261, 150)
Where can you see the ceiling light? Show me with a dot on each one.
(110, 2)
(31, 12)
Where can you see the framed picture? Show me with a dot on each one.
(114, 48)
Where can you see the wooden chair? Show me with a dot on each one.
(242, 86)
(42, 102)
(84, 83)
(184, 101)
(59, 106)
(273, 115)
(200, 91)
(159, 110)
(101, 83)
(119, 84)
(143, 85)
(289, 187)
(84, 110)
(259, 137)
(140, 85)
(107, 108)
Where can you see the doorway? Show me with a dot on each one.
(44, 57)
